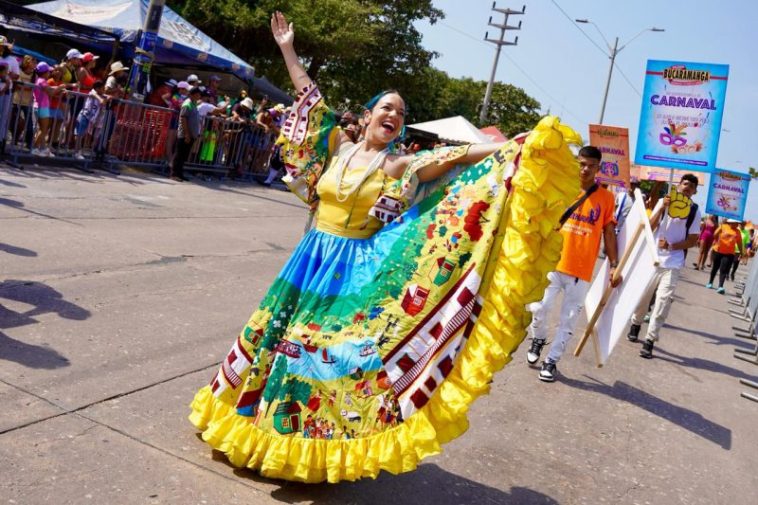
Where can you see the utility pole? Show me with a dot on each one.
(144, 53)
(500, 42)
(614, 52)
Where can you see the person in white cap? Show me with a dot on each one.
(70, 66)
(12, 74)
(194, 80)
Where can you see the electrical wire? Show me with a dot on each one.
(628, 81)
(580, 28)
(519, 68)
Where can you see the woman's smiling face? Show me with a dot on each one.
(386, 119)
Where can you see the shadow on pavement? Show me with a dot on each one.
(703, 364)
(221, 186)
(28, 355)
(20, 206)
(11, 184)
(43, 300)
(18, 251)
(683, 417)
(716, 339)
(428, 484)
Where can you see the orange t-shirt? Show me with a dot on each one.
(582, 232)
(727, 240)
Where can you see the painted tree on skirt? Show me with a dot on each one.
(274, 384)
(297, 390)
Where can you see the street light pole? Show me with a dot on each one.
(614, 52)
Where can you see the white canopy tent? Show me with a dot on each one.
(456, 129)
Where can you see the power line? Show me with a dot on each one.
(519, 68)
(628, 81)
(571, 20)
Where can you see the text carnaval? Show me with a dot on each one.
(681, 101)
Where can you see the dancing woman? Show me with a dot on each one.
(393, 313)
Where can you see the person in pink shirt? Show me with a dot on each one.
(705, 241)
(42, 93)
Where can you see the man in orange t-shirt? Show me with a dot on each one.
(727, 241)
(582, 231)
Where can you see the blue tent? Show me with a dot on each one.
(179, 43)
(26, 25)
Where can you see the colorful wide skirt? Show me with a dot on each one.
(365, 354)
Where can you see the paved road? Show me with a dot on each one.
(120, 294)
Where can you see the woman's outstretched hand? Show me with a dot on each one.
(284, 34)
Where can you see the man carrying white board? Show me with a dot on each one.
(678, 231)
(584, 223)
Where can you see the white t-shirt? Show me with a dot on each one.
(674, 230)
(13, 67)
(111, 82)
(205, 108)
(624, 204)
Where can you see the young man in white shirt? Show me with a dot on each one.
(678, 231)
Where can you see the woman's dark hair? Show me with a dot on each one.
(98, 84)
(591, 152)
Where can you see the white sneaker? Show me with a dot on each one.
(38, 152)
(49, 153)
(533, 354)
(79, 156)
(548, 371)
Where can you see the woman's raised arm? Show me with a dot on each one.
(284, 35)
(475, 154)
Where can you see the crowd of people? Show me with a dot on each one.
(72, 108)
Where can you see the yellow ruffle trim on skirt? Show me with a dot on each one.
(527, 249)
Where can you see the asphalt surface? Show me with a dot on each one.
(119, 295)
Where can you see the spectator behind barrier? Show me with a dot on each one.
(22, 123)
(11, 74)
(42, 93)
(87, 118)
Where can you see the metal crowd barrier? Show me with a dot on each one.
(131, 133)
(26, 138)
(748, 302)
(230, 147)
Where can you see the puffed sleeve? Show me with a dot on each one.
(307, 141)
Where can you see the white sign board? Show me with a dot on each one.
(638, 274)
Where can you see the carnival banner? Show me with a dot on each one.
(680, 120)
(727, 194)
(613, 142)
(645, 173)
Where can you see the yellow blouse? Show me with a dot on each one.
(349, 218)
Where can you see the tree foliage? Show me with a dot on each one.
(356, 48)
(275, 380)
(296, 390)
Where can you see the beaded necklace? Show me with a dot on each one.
(341, 168)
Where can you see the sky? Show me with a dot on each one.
(559, 63)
